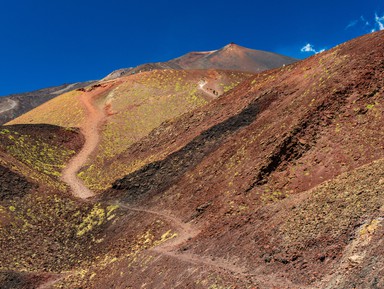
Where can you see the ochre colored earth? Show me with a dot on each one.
(276, 183)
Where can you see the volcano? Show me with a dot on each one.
(202, 178)
(230, 57)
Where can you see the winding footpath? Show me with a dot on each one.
(185, 230)
(202, 85)
(171, 248)
(96, 116)
(185, 233)
(90, 129)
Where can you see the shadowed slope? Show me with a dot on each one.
(254, 189)
(39, 151)
(134, 107)
(277, 183)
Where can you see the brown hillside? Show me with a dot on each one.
(134, 105)
(38, 152)
(230, 57)
(14, 105)
(235, 57)
(254, 153)
(277, 183)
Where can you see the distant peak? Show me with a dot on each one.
(232, 45)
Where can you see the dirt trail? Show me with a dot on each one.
(185, 233)
(202, 84)
(171, 249)
(90, 129)
(185, 230)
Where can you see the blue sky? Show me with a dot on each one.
(47, 42)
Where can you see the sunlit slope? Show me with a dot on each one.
(230, 57)
(14, 105)
(64, 110)
(277, 184)
(142, 102)
(281, 174)
(135, 106)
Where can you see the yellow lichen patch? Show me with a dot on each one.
(369, 228)
(232, 86)
(36, 153)
(273, 196)
(147, 238)
(4, 131)
(92, 276)
(165, 237)
(36, 156)
(110, 210)
(96, 217)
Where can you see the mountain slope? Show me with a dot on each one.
(277, 183)
(14, 105)
(235, 57)
(230, 57)
(134, 105)
(245, 170)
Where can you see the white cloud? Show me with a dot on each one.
(362, 21)
(368, 26)
(351, 24)
(379, 21)
(310, 48)
(307, 48)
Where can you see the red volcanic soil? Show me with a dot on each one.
(12, 184)
(90, 129)
(230, 57)
(235, 57)
(242, 168)
(276, 184)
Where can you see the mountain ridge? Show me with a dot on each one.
(230, 57)
(16, 104)
(239, 58)
(277, 181)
